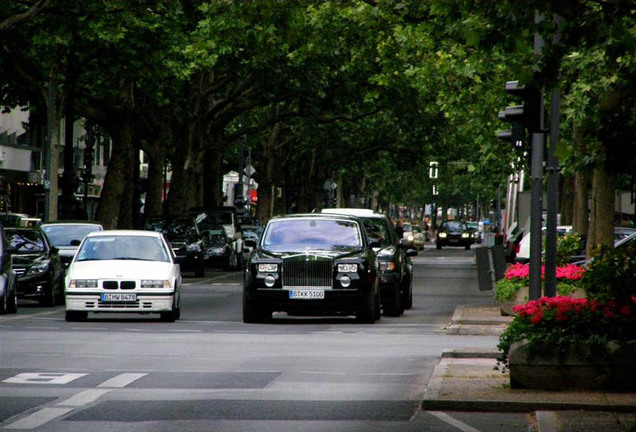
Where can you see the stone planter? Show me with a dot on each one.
(577, 369)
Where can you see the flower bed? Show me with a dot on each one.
(567, 333)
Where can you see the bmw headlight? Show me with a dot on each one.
(155, 283)
(347, 268)
(465, 235)
(268, 268)
(83, 283)
(442, 235)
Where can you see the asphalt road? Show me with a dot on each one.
(210, 372)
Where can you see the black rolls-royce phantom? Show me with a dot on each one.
(312, 264)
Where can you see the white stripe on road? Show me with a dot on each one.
(39, 418)
(84, 398)
(122, 380)
(452, 421)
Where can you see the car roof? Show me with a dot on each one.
(352, 212)
(140, 233)
(73, 223)
(325, 216)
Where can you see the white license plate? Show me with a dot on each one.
(108, 297)
(307, 294)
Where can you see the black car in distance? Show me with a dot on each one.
(38, 266)
(454, 233)
(312, 264)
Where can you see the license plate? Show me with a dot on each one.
(108, 297)
(307, 294)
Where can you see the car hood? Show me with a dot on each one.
(27, 259)
(302, 255)
(119, 269)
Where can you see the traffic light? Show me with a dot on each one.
(522, 117)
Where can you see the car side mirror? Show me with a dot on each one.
(411, 252)
(250, 243)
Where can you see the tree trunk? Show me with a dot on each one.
(154, 190)
(212, 172)
(187, 174)
(119, 168)
(566, 198)
(601, 230)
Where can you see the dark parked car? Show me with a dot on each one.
(312, 264)
(8, 285)
(38, 266)
(187, 242)
(454, 233)
(67, 236)
(396, 269)
(219, 252)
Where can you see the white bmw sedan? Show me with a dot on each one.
(123, 271)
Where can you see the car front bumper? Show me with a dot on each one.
(144, 303)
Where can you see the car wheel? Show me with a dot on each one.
(173, 315)
(467, 247)
(12, 300)
(395, 307)
(253, 314)
(438, 245)
(60, 298)
(47, 299)
(366, 310)
(378, 307)
(74, 316)
(407, 299)
(199, 271)
(4, 300)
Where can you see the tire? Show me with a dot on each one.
(438, 246)
(199, 270)
(75, 316)
(395, 307)
(12, 300)
(467, 247)
(366, 310)
(174, 314)
(4, 300)
(253, 314)
(378, 308)
(48, 298)
(407, 294)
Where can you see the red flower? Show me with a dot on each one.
(625, 310)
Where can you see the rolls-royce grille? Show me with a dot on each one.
(300, 273)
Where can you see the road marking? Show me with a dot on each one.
(122, 380)
(322, 373)
(44, 378)
(39, 418)
(84, 398)
(452, 421)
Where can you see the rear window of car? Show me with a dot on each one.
(63, 235)
(312, 233)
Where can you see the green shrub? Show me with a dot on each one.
(611, 276)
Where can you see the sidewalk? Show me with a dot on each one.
(465, 380)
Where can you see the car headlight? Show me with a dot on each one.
(38, 268)
(268, 268)
(216, 250)
(387, 266)
(410, 237)
(83, 283)
(442, 235)
(465, 235)
(155, 283)
(347, 268)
